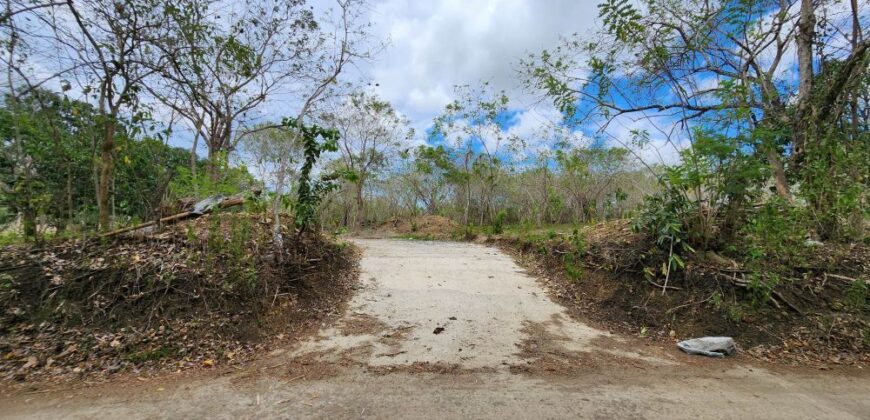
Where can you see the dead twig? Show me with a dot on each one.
(668, 273)
(663, 286)
(790, 305)
(841, 277)
(675, 308)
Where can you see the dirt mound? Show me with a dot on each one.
(813, 315)
(202, 292)
(427, 227)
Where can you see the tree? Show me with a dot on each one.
(278, 154)
(54, 149)
(431, 173)
(221, 67)
(473, 121)
(349, 43)
(372, 134)
(587, 174)
(110, 40)
(722, 67)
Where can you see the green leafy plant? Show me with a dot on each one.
(498, 222)
(573, 260)
(857, 294)
(310, 192)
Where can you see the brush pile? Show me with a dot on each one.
(811, 310)
(201, 292)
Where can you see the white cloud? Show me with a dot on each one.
(664, 143)
(437, 45)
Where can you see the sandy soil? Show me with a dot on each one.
(454, 330)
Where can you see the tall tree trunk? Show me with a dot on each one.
(360, 204)
(218, 147)
(107, 166)
(467, 191)
(804, 39)
(28, 221)
(210, 167)
(856, 37)
(779, 179)
(277, 236)
(69, 196)
(193, 156)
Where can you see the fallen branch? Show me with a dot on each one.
(663, 286)
(13, 267)
(190, 214)
(790, 305)
(669, 311)
(841, 277)
(774, 294)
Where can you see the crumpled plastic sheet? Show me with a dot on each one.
(709, 346)
(207, 204)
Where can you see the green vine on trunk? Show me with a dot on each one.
(310, 192)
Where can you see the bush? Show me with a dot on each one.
(498, 223)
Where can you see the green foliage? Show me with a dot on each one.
(47, 161)
(663, 215)
(498, 222)
(857, 294)
(773, 233)
(578, 241)
(573, 260)
(230, 239)
(310, 192)
(226, 179)
(586, 175)
(472, 123)
(10, 237)
(573, 266)
(44, 140)
(621, 19)
(743, 132)
(705, 198)
(760, 288)
(834, 182)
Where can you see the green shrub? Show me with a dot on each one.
(498, 222)
(774, 231)
(857, 294)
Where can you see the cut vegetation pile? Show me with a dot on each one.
(200, 293)
(812, 309)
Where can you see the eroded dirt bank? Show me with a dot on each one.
(454, 330)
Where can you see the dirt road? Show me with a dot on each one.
(449, 330)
